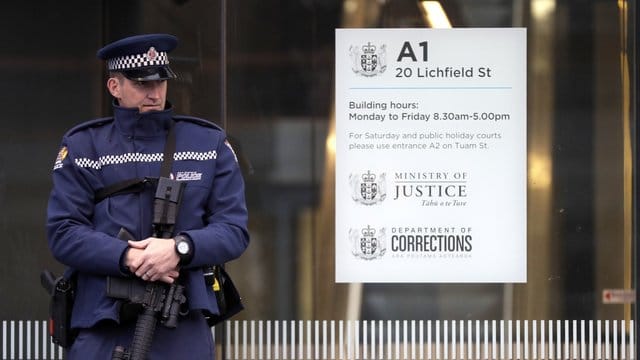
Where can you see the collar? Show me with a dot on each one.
(130, 122)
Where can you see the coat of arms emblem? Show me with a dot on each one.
(368, 60)
(368, 189)
(368, 243)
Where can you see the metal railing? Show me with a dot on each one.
(388, 339)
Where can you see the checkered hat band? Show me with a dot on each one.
(140, 157)
(137, 61)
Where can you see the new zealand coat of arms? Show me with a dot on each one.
(368, 60)
(368, 189)
(368, 243)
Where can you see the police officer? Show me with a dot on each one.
(82, 227)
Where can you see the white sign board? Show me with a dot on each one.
(618, 296)
(431, 155)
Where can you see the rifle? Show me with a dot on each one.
(159, 301)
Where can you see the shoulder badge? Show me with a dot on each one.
(62, 154)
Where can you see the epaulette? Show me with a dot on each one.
(198, 121)
(89, 124)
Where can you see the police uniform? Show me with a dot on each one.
(82, 230)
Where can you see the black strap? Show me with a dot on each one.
(123, 187)
(137, 185)
(169, 150)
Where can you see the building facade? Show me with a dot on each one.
(264, 70)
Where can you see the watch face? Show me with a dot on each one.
(183, 247)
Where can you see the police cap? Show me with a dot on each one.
(141, 57)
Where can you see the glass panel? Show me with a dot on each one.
(50, 81)
(280, 100)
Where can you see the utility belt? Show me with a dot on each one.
(62, 291)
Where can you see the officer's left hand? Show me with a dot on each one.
(158, 260)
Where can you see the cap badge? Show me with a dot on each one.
(152, 54)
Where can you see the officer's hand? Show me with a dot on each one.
(132, 257)
(154, 259)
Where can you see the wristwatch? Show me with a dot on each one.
(183, 248)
